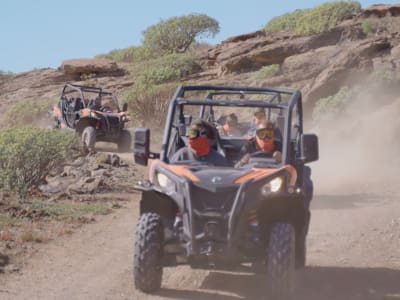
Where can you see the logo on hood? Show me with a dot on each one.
(216, 179)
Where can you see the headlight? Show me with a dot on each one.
(163, 180)
(165, 183)
(276, 184)
(272, 187)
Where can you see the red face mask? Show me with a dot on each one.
(200, 145)
(265, 144)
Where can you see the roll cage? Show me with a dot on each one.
(87, 93)
(280, 99)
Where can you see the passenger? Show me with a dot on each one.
(259, 118)
(199, 149)
(264, 142)
(230, 127)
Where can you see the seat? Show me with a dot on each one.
(216, 143)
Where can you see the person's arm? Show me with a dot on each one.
(244, 155)
(178, 156)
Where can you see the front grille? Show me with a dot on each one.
(114, 121)
(219, 201)
(211, 207)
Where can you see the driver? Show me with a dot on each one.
(263, 142)
(199, 149)
(97, 104)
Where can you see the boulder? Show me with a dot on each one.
(354, 61)
(88, 66)
(239, 55)
(381, 10)
(309, 64)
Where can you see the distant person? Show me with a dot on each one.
(96, 104)
(199, 148)
(259, 117)
(230, 126)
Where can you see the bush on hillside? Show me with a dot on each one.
(130, 55)
(328, 108)
(29, 112)
(177, 34)
(319, 19)
(267, 71)
(167, 68)
(367, 27)
(28, 154)
(149, 106)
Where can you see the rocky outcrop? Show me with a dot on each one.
(351, 64)
(238, 55)
(77, 68)
(381, 10)
(97, 172)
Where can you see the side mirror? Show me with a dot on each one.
(125, 107)
(309, 145)
(141, 150)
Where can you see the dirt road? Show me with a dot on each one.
(353, 253)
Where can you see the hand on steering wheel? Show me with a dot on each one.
(261, 154)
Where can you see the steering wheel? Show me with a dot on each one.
(268, 154)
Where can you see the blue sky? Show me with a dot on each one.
(43, 33)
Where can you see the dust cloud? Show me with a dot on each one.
(360, 149)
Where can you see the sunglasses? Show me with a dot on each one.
(193, 133)
(265, 133)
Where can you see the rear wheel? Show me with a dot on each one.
(281, 262)
(147, 259)
(89, 138)
(125, 141)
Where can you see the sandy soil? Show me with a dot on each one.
(353, 253)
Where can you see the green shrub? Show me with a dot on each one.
(267, 71)
(167, 68)
(177, 34)
(287, 21)
(329, 107)
(366, 27)
(28, 154)
(319, 19)
(131, 54)
(382, 75)
(149, 106)
(29, 112)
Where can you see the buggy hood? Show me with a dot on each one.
(211, 177)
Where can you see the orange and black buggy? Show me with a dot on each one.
(94, 113)
(239, 215)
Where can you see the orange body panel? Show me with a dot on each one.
(84, 112)
(255, 173)
(180, 170)
(56, 111)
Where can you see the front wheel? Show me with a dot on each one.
(147, 259)
(89, 138)
(281, 261)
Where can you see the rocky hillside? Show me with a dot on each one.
(317, 64)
